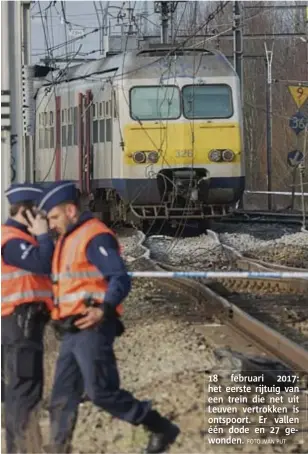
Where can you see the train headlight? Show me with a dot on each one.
(215, 155)
(153, 157)
(228, 155)
(139, 157)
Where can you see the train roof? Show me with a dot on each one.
(156, 62)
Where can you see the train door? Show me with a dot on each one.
(102, 138)
(85, 141)
(108, 132)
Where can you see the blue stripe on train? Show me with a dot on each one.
(146, 191)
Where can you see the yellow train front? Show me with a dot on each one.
(182, 133)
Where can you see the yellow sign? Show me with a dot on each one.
(299, 94)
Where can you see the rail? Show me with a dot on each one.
(298, 285)
(297, 194)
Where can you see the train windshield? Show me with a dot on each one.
(155, 102)
(207, 101)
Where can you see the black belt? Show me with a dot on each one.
(67, 325)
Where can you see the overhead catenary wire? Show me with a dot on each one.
(119, 75)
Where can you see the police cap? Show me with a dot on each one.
(25, 192)
(57, 193)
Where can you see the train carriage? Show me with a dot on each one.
(154, 133)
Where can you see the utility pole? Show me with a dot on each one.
(105, 28)
(307, 41)
(14, 61)
(101, 31)
(238, 45)
(195, 18)
(130, 20)
(164, 8)
(21, 80)
(269, 121)
(145, 19)
(164, 21)
(5, 110)
(238, 57)
(28, 107)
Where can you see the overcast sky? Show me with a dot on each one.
(82, 18)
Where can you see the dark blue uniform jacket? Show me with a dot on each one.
(24, 255)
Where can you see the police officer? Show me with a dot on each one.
(90, 281)
(26, 294)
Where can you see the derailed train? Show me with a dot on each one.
(154, 133)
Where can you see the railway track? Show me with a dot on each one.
(264, 217)
(263, 336)
(275, 286)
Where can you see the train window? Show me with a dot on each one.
(95, 131)
(114, 104)
(70, 135)
(41, 139)
(75, 125)
(46, 141)
(63, 134)
(155, 102)
(207, 101)
(102, 131)
(52, 137)
(108, 130)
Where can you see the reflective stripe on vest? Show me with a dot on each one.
(14, 274)
(73, 297)
(26, 295)
(76, 275)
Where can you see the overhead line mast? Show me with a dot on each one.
(165, 8)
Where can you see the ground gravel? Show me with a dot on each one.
(282, 246)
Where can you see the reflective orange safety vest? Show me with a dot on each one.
(75, 279)
(19, 286)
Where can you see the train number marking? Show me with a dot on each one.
(184, 153)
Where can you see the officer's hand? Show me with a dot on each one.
(38, 226)
(92, 316)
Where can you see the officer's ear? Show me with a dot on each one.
(71, 209)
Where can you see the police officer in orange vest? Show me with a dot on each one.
(90, 281)
(26, 301)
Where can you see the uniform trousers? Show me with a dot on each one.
(86, 363)
(23, 376)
